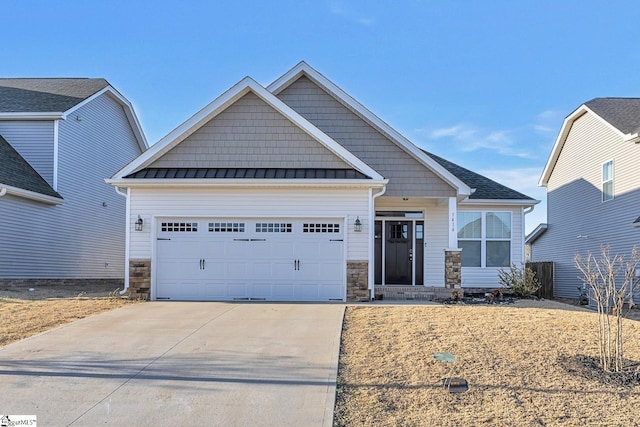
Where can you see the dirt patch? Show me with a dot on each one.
(29, 310)
(520, 361)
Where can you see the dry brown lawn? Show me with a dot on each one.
(24, 313)
(519, 361)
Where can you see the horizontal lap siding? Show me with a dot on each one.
(488, 277)
(250, 134)
(80, 238)
(253, 203)
(34, 141)
(407, 177)
(575, 206)
(437, 239)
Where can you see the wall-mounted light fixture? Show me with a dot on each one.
(139, 223)
(357, 226)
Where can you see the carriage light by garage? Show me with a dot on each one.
(357, 226)
(139, 223)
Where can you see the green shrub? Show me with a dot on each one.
(521, 281)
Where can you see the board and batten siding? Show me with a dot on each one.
(250, 134)
(578, 220)
(84, 237)
(407, 176)
(349, 203)
(487, 277)
(34, 141)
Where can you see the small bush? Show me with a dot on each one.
(521, 281)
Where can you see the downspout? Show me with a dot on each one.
(372, 238)
(126, 239)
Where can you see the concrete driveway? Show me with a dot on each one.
(180, 363)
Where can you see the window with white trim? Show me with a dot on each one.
(485, 238)
(226, 227)
(273, 227)
(179, 227)
(607, 181)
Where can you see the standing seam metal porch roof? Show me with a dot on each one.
(246, 173)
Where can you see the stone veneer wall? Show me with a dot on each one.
(453, 269)
(139, 278)
(358, 281)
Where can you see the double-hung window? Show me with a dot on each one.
(607, 181)
(485, 238)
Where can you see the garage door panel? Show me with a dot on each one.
(253, 259)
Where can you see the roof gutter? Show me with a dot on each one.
(31, 195)
(245, 182)
(31, 116)
(3, 191)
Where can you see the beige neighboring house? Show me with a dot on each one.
(297, 192)
(593, 191)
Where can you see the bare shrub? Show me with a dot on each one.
(610, 280)
(521, 281)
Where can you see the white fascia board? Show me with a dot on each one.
(303, 68)
(32, 116)
(243, 182)
(564, 133)
(31, 195)
(128, 110)
(506, 202)
(220, 104)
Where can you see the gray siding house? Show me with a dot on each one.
(59, 139)
(297, 192)
(593, 191)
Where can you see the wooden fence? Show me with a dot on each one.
(544, 273)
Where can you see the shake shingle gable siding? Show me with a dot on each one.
(485, 188)
(245, 173)
(15, 171)
(46, 95)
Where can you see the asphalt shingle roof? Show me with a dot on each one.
(15, 171)
(485, 188)
(622, 113)
(46, 95)
(247, 173)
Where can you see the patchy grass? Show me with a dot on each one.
(524, 364)
(24, 313)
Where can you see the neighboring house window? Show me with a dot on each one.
(485, 238)
(607, 181)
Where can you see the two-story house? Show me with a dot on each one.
(593, 191)
(59, 139)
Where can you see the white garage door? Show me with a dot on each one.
(258, 259)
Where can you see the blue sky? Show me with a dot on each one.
(485, 84)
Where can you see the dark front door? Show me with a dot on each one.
(398, 252)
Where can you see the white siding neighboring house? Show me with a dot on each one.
(593, 190)
(298, 192)
(59, 139)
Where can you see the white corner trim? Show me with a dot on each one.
(55, 154)
(303, 68)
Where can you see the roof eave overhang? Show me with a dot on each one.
(302, 68)
(31, 195)
(32, 116)
(231, 182)
(509, 202)
(533, 236)
(564, 133)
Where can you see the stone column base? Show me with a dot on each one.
(140, 279)
(358, 281)
(453, 268)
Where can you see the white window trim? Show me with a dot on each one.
(603, 182)
(483, 236)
